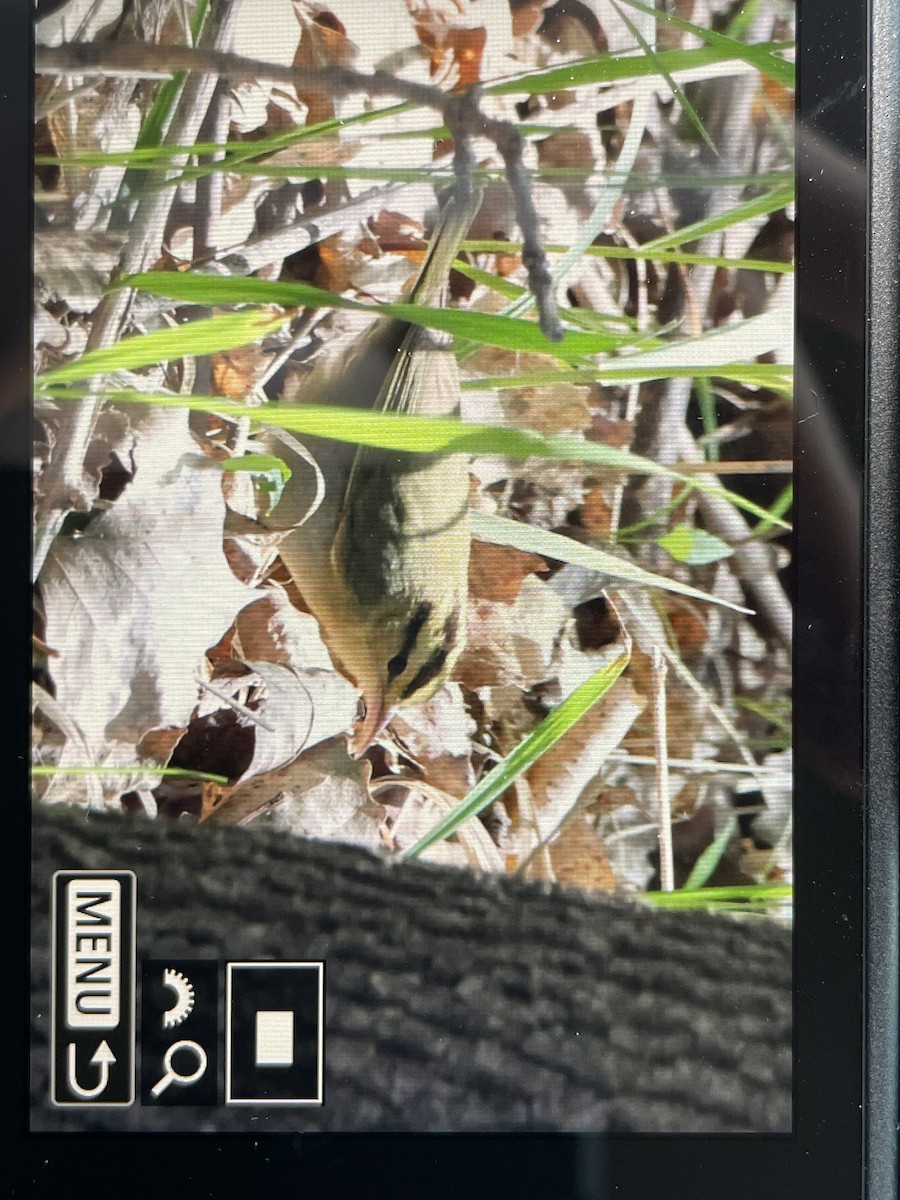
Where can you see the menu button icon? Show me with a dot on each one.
(93, 963)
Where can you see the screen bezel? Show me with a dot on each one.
(825, 1153)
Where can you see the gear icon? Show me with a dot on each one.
(184, 998)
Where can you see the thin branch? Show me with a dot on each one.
(266, 248)
(762, 466)
(755, 564)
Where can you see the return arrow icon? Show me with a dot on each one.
(101, 1058)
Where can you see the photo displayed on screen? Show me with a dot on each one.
(413, 601)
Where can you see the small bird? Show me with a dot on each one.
(383, 562)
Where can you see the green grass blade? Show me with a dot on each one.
(505, 532)
(153, 127)
(627, 533)
(753, 896)
(772, 376)
(769, 202)
(496, 246)
(781, 70)
(495, 283)
(144, 350)
(693, 546)
(614, 68)
(710, 858)
(484, 328)
(155, 154)
(771, 331)
(707, 403)
(675, 87)
(420, 435)
(154, 124)
(538, 742)
(782, 505)
(248, 152)
(135, 769)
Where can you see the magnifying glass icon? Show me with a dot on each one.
(170, 1075)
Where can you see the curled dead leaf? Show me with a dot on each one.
(135, 601)
(513, 643)
(559, 778)
(322, 794)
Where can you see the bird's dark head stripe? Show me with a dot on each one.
(434, 664)
(398, 663)
(429, 670)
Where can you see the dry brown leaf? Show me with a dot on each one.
(689, 628)
(578, 857)
(617, 434)
(562, 408)
(323, 43)
(437, 735)
(527, 17)
(77, 20)
(772, 95)
(458, 55)
(568, 149)
(397, 231)
(685, 716)
(271, 629)
(75, 268)
(104, 120)
(468, 40)
(497, 572)
(293, 709)
(513, 643)
(596, 513)
(425, 805)
(489, 658)
(338, 262)
(212, 797)
(235, 373)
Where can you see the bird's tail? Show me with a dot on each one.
(453, 224)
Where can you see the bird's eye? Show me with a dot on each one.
(396, 666)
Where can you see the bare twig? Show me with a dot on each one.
(762, 466)
(754, 560)
(211, 185)
(643, 622)
(241, 709)
(699, 766)
(266, 248)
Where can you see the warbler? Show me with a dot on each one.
(383, 561)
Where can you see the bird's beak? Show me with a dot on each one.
(378, 713)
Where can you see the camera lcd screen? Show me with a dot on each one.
(414, 575)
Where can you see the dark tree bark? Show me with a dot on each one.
(453, 1001)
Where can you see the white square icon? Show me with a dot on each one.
(274, 1038)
